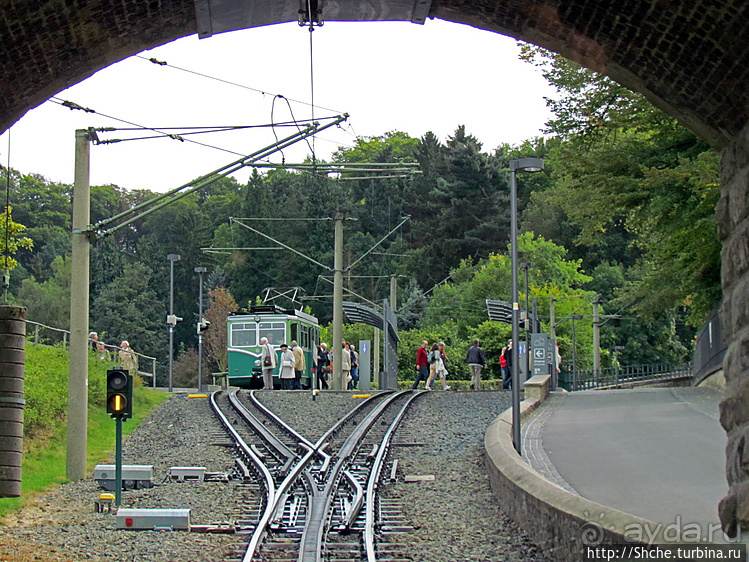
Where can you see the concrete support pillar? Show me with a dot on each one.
(79, 281)
(733, 225)
(12, 361)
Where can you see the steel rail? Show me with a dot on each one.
(248, 452)
(311, 543)
(300, 470)
(264, 433)
(374, 478)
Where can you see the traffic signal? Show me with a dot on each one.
(119, 393)
(203, 325)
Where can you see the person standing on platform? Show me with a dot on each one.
(345, 364)
(354, 384)
(299, 365)
(507, 377)
(476, 361)
(422, 365)
(268, 361)
(323, 366)
(286, 369)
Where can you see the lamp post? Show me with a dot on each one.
(518, 165)
(200, 271)
(524, 266)
(171, 320)
(574, 361)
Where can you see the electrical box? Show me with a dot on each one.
(134, 476)
(187, 473)
(153, 519)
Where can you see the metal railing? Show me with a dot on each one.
(709, 349)
(587, 379)
(58, 335)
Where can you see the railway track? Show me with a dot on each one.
(320, 499)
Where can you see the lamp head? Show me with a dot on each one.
(527, 165)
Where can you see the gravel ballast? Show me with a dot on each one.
(455, 516)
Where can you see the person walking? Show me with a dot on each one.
(128, 358)
(354, 384)
(299, 364)
(422, 365)
(268, 361)
(437, 367)
(286, 368)
(443, 371)
(507, 376)
(476, 361)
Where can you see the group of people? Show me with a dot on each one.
(431, 365)
(127, 358)
(293, 364)
(349, 365)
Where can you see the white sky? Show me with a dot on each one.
(387, 76)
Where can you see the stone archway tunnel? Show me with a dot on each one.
(689, 57)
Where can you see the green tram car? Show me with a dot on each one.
(279, 326)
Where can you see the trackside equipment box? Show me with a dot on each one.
(187, 473)
(134, 476)
(153, 519)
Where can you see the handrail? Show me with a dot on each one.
(66, 333)
(585, 379)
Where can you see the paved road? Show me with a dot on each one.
(658, 453)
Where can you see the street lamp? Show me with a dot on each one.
(518, 165)
(525, 265)
(171, 319)
(200, 271)
(574, 362)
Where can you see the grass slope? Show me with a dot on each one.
(45, 416)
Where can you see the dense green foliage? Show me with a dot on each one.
(624, 210)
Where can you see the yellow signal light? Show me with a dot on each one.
(118, 403)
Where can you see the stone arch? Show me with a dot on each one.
(689, 57)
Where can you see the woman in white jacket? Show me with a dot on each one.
(286, 369)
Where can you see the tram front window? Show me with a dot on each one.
(274, 331)
(244, 335)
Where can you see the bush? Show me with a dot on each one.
(46, 386)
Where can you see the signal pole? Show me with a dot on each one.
(200, 271)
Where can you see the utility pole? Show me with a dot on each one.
(596, 338)
(338, 304)
(75, 468)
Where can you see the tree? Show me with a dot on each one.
(128, 309)
(221, 305)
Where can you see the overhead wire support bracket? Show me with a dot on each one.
(103, 228)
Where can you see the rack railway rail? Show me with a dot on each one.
(319, 500)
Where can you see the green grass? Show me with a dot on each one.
(45, 436)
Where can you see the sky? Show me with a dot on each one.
(386, 75)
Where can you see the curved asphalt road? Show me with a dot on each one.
(658, 453)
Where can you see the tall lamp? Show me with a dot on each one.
(517, 165)
(200, 271)
(171, 319)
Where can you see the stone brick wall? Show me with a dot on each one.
(733, 220)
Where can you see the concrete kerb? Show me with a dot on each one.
(561, 523)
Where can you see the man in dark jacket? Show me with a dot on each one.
(476, 361)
